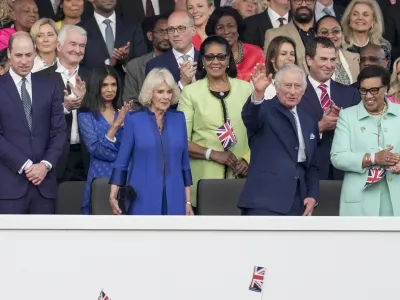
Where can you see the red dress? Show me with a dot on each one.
(196, 41)
(252, 55)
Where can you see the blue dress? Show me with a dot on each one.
(102, 151)
(159, 167)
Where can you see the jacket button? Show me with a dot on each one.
(297, 148)
(390, 179)
(385, 129)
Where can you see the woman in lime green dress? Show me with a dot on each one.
(212, 106)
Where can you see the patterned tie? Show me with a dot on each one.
(295, 122)
(109, 37)
(326, 11)
(185, 57)
(281, 21)
(325, 99)
(27, 103)
(149, 9)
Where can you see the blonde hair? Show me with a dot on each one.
(39, 23)
(155, 78)
(259, 6)
(376, 31)
(5, 13)
(394, 81)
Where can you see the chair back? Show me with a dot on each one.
(70, 197)
(100, 204)
(329, 198)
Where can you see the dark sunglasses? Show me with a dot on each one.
(219, 57)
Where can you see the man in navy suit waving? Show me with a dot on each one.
(324, 98)
(283, 173)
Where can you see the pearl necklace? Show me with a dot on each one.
(379, 113)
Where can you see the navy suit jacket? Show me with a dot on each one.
(18, 143)
(344, 96)
(274, 172)
(167, 60)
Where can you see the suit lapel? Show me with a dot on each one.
(294, 34)
(97, 36)
(310, 98)
(267, 23)
(57, 77)
(306, 131)
(16, 99)
(174, 65)
(36, 98)
(119, 34)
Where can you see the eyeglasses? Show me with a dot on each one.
(180, 29)
(161, 32)
(219, 57)
(372, 91)
(325, 33)
(309, 2)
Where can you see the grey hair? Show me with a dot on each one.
(66, 29)
(155, 78)
(286, 68)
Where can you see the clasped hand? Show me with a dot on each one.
(36, 173)
(239, 167)
(187, 72)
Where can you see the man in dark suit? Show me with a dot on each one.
(392, 28)
(139, 9)
(70, 79)
(181, 60)
(328, 8)
(135, 70)
(276, 15)
(50, 9)
(110, 39)
(324, 98)
(32, 134)
(283, 172)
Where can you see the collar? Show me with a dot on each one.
(319, 7)
(392, 109)
(274, 16)
(100, 18)
(61, 69)
(17, 78)
(315, 84)
(294, 109)
(178, 54)
(299, 29)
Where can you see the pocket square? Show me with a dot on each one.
(312, 136)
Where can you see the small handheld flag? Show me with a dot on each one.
(257, 281)
(375, 175)
(226, 135)
(103, 296)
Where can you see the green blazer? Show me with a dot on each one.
(355, 135)
(204, 115)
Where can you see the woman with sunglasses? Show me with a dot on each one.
(229, 24)
(366, 147)
(212, 107)
(347, 63)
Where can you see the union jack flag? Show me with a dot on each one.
(226, 135)
(375, 175)
(257, 281)
(103, 296)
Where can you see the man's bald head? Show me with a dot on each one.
(17, 36)
(183, 16)
(372, 55)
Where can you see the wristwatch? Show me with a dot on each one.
(47, 165)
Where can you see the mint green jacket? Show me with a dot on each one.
(355, 135)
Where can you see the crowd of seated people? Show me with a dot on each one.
(157, 95)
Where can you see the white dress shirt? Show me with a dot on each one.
(156, 6)
(319, 13)
(179, 59)
(99, 19)
(315, 84)
(301, 156)
(274, 17)
(28, 84)
(66, 77)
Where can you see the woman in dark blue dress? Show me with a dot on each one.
(100, 123)
(154, 146)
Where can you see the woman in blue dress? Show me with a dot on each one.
(100, 125)
(154, 146)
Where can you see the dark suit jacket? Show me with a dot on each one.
(46, 10)
(51, 74)
(256, 26)
(339, 11)
(168, 61)
(133, 9)
(343, 96)
(96, 52)
(274, 172)
(18, 143)
(392, 28)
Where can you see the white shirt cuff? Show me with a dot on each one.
(66, 111)
(180, 85)
(256, 102)
(26, 165)
(111, 140)
(45, 161)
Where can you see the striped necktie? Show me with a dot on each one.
(326, 11)
(149, 9)
(27, 103)
(324, 99)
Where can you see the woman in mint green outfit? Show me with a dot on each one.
(213, 111)
(366, 146)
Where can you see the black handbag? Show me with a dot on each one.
(126, 195)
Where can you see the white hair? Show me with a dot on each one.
(287, 68)
(155, 78)
(67, 29)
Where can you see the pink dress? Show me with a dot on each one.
(391, 99)
(5, 34)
